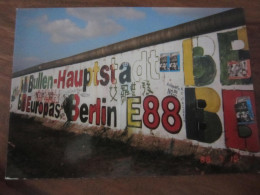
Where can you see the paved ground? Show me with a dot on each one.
(36, 151)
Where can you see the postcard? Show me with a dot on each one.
(131, 91)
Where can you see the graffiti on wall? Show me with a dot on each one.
(181, 89)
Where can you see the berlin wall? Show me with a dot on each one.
(189, 83)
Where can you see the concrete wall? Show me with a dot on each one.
(191, 82)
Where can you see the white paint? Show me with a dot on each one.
(237, 45)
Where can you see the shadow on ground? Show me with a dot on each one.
(35, 151)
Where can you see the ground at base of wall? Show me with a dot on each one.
(38, 151)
